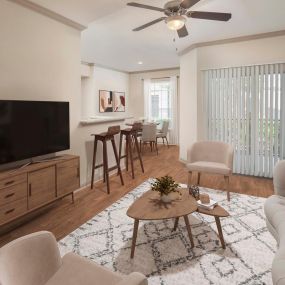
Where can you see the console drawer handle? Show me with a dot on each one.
(9, 182)
(9, 211)
(9, 195)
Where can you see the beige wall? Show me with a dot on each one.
(188, 102)
(102, 79)
(136, 101)
(261, 51)
(40, 60)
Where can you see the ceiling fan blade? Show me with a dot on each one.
(133, 4)
(210, 16)
(149, 24)
(182, 33)
(186, 4)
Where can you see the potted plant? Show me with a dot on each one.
(165, 186)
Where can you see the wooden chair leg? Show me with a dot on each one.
(167, 142)
(199, 178)
(120, 150)
(127, 153)
(105, 165)
(142, 147)
(94, 161)
(156, 148)
(163, 140)
(139, 152)
(189, 178)
(131, 157)
(117, 160)
(104, 171)
(227, 182)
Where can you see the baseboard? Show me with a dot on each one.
(183, 160)
(88, 184)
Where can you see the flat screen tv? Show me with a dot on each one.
(32, 128)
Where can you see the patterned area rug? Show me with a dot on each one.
(167, 258)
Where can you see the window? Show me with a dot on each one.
(245, 107)
(161, 103)
(160, 100)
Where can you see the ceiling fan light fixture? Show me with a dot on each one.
(175, 23)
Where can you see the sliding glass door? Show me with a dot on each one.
(245, 107)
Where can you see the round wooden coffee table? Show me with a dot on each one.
(150, 207)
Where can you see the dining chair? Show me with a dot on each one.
(149, 136)
(162, 134)
(139, 133)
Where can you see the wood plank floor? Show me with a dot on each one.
(65, 217)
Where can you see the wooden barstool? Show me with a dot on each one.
(104, 138)
(131, 135)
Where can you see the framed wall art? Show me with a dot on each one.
(105, 101)
(119, 101)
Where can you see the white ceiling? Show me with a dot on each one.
(109, 39)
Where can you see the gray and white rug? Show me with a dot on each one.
(167, 258)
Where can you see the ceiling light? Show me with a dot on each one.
(140, 62)
(175, 22)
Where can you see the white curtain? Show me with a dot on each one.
(147, 103)
(245, 106)
(174, 131)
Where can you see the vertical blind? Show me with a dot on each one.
(245, 106)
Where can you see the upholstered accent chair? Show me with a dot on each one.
(274, 209)
(162, 134)
(211, 157)
(35, 260)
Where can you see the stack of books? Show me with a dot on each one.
(208, 206)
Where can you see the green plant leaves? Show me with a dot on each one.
(165, 185)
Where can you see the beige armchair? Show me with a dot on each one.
(274, 209)
(35, 260)
(211, 157)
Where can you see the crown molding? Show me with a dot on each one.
(103, 66)
(108, 67)
(128, 72)
(155, 70)
(46, 12)
(233, 40)
(87, 63)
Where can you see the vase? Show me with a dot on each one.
(168, 198)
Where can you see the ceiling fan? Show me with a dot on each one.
(176, 12)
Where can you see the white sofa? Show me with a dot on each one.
(275, 218)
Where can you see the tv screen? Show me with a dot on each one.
(32, 128)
